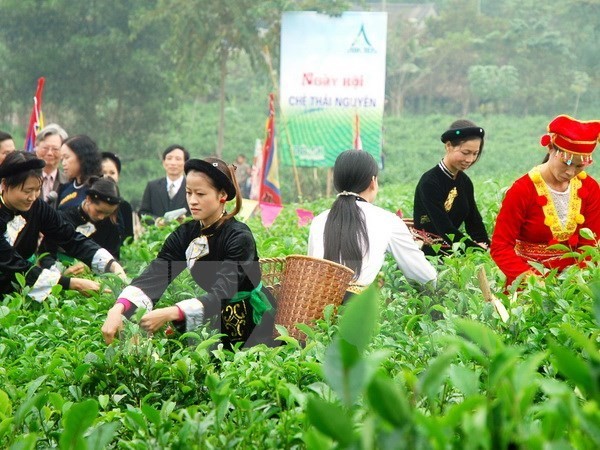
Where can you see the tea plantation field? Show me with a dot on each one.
(399, 368)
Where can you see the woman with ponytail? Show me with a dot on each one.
(220, 253)
(357, 234)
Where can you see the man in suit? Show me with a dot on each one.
(47, 147)
(168, 193)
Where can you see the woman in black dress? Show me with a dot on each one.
(220, 253)
(444, 197)
(95, 218)
(23, 216)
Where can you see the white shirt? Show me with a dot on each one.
(387, 233)
(176, 183)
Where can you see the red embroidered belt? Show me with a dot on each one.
(536, 252)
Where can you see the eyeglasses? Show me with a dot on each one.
(49, 149)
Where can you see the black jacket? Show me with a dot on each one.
(442, 204)
(156, 201)
(41, 218)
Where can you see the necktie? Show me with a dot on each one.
(47, 186)
(171, 191)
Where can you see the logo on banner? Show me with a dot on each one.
(361, 43)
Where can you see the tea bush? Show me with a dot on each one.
(401, 367)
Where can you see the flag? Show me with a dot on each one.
(269, 190)
(256, 176)
(268, 213)
(304, 216)
(357, 140)
(36, 119)
(270, 196)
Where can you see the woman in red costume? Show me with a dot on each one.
(551, 203)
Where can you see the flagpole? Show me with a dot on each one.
(267, 56)
(36, 118)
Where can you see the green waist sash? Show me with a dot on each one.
(259, 301)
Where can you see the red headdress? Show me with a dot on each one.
(573, 136)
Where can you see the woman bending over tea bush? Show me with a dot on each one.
(220, 253)
(550, 204)
(357, 234)
(23, 216)
(445, 197)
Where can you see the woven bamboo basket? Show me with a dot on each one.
(309, 284)
(272, 270)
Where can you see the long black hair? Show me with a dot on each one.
(88, 154)
(345, 238)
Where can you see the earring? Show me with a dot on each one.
(222, 200)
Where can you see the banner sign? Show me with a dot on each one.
(332, 77)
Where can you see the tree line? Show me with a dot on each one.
(128, 68)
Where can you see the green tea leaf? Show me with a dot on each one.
(315, 440)
(151, 414)
(464, 379)
(100, 437)
(5, 426)
(481, 335)
(359, 319)
(331, 420)
(5, 405)
(573, 367)
(431, 380)
(389, 401)
(27, 442)
(76, 422)
(586, 233)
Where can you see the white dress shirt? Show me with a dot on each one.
(176, 184)
(387, 233)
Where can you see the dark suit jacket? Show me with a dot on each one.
(156, 202)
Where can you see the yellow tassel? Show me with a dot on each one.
(580, 219)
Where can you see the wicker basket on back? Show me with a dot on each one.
(272, 274)
(307, 286)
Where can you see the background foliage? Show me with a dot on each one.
(140, 75)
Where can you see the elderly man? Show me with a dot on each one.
(47, 147)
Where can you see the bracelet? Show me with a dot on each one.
(109, 265)
(126, 304)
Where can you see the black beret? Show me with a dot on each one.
(217, 170)
(8, 170)
(105, 198)
(462, 133)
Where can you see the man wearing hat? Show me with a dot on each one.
(550, 204)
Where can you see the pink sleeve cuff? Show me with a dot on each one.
(181, 314)
(126, 303)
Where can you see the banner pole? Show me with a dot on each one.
(267, 56)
